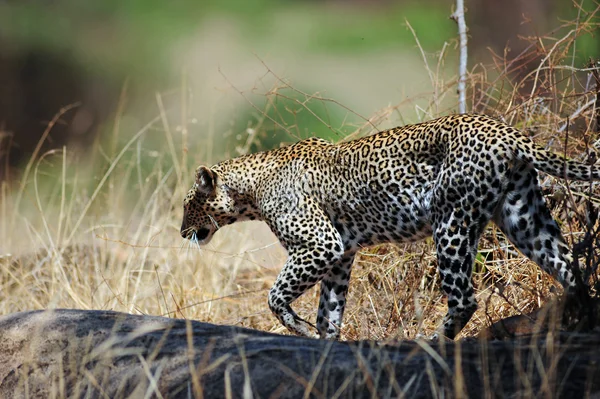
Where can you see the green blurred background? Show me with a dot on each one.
(235, 76)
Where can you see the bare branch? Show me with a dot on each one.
(459, 17)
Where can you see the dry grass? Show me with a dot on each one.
(104, 234)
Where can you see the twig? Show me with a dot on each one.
(33, 157)
(431, 75)
(547, 57)
(459, 17)
(308, 96)
(595, 66)
(107, 174)
(575, 114)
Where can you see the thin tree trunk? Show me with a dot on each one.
(459, 17)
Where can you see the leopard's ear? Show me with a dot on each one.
(205, 180)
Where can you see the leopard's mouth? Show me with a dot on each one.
(197, 236)
(200, 236)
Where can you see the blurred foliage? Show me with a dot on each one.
(286, 117)
(353, 31)
(114, 39)
(587, 44)
(124, 36)
(133, 37)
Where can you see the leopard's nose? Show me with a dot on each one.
(202, 233)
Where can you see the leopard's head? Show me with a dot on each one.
(208, 205)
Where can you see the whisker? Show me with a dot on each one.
(181, 246)
(214, 222)
(187, 231)
(195, 240)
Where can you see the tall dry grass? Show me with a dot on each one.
(100, 230)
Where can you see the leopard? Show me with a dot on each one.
(447, 178)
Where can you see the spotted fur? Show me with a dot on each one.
(447, 177)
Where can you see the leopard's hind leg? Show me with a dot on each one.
(461, 209)
(526, 220)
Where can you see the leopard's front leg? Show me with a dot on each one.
(314, 246)
(294, 280)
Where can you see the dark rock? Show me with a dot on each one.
(77, 353)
